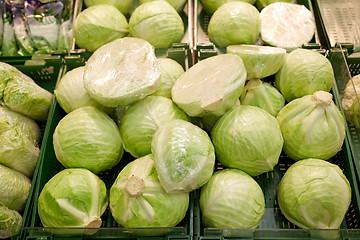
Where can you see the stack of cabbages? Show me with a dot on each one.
(23, 105)
(242, 122)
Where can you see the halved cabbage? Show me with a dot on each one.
(88, 138)
(219, 83)
(138, 200)
(248, 138)
(232, 199)
(141, 121)
(184, 156)
(73, 198)
(312, 127)
(122, 72)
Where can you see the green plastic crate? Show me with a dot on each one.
(340, 22)
(49, 166)
(274, 225)
(202, 19)
(45, 71)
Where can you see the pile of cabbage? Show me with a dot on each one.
(23, 106)
(246, 108)
(101, 22)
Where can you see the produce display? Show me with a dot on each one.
(350, 101)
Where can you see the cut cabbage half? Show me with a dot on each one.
(210, 87)
(122, 72)
(260, 61)
(286, 25)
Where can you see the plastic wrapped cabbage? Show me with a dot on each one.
(259, 61)
(26, 97)
(170, 72)
(210, 6)
(10, 119)
(312, 127)
(123, 6)
(248, 138)
(314, 194)
(142, 119)
(263, 95)
(98, 25)
(177, 4)
(73, 198)
(71, 94)
(234, 23)
(184, 156)
(232, 199)
(138, 200)
(158, 23)
(88, 138)
(303, 73)
(287, 25)
(10, 222)
(18, 151)
(219, 83)
(350, 101)
(14, 188)
(122, 72)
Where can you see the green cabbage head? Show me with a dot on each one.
(210, 6)
(123, 6)
(314, 194)
(350, 101)
(10, 222)
(142, 120)
(138, 200)
(312, 127)
(184, 156)
(88, 138)
(248, 138)
(73, 198)
(303, 73)
(14, 188)
(232, 199)
(177, 4)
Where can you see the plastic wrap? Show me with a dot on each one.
(122, 72)
(287, 25)
(138, 200)
(10, 222)
(219, 83)
(9, 46)
(14, 188)
(184, 156)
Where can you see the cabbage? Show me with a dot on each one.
(98, 25)
(158, 23)
(303, 73)
(232, 199)
(259, 61)
(123, 5)
(73, 198)
(26, 97)
(183, 155)
(263, 95)
(312, 127)
(177, 4)
(170, 72)
(122, 72)
(234, 23)
(10, 222)
(138, 200)
(71, 94)
(142, 119)
(219, 83)
(210, 6)
(248, 138)
(14, 189)
(10, 119)
(350, 101)
(18, 151)
(260, 4)
(314, 194)
(287, 25)
(87, 138)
